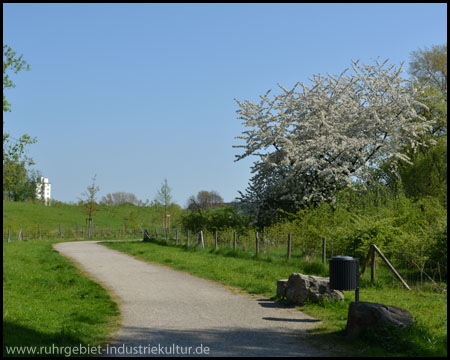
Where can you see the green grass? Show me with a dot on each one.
(27, 216)
(46, 300)
(428, 337)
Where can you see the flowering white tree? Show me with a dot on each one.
(314, 142)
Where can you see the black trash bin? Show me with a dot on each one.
(344, 274)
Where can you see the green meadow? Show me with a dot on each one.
(48, 302)
(30, 217)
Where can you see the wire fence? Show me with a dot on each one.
(77, 233)
(413, 266)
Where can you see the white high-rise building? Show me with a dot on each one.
(43, 190)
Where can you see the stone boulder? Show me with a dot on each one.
(366, 315)
(301, 287)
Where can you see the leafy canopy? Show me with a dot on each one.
(11, 63)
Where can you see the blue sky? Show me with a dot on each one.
(137, 93)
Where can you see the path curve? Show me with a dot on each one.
(164, 308)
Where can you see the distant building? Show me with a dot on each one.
(43, 190)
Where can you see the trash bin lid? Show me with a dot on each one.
(343, 258)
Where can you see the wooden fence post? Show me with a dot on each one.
(216, 242)
(39, 231)
(146, 236)
(289, 247)
(372, 263)
(439, 272)
(202, 243)
(257, 243)
(9, 235)
(324, 250)
(20, 235)
(234, 240)
(366, 262)
(397, 275)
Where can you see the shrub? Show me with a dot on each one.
(407, 231)
(215, 219)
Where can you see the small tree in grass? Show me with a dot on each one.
(164, 198)
(89, 205)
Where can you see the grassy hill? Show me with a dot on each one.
(28, 216)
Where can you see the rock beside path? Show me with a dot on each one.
(299, 288)
(366, 315)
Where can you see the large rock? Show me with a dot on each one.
(366, 315)
(301, 287)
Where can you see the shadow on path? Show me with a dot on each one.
(291, 320)
(269, 303)
(220, 342)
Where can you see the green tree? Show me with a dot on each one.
(24, 185)
(430, 66)
(14, 63)
(14, 177)
(15, 162)
(14, 158)
(426, 175)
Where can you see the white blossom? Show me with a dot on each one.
(313, 141)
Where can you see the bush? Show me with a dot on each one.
(405, 230)
(215, 219)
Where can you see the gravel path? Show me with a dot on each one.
(167, 311)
